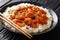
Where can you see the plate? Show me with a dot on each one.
(54, 23)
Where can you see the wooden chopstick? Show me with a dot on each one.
(14, 25)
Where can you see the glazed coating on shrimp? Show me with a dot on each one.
(30, 15)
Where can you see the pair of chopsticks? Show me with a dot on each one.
(15, 26)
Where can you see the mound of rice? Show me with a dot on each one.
(40, 27)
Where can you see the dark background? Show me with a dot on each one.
(52, 35)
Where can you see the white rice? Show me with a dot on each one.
(30, 30)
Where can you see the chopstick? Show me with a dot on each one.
(15, 26)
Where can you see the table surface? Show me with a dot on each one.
(52, 35)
